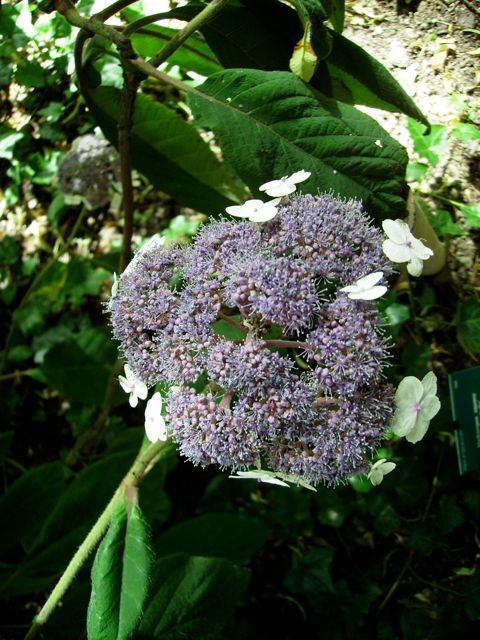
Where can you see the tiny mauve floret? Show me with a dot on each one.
(270, 338)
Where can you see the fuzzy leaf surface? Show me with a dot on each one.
(270, 124)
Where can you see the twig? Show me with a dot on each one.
(238, 325)
(288, 344)
(195, 23)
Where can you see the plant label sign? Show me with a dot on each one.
(465, 396)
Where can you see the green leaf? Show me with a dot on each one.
(227, 330)
(311, 575)
(443, 224)
(425, 539)
(396, 315)
(103, 608)
(471, 213)
(285, 127)
(193, 55)
(80, 366)
(364, 80)
(386, 521)
(262, 35)
(214, 535)
(169, 152)
(64, 526)
(8, 140)
(466, 132)
(191, 597)
(450, 515)
(120, 577)
(431, 145)
(137, 561)
(467, 320)
(27, 501)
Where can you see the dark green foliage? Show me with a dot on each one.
(202, 556)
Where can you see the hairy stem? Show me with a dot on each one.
(141, 466)
(288, 344)
(195, 23)
(238, 325)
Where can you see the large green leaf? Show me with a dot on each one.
(192, 597)
(168, 151)
(270, 124)
(353, 71)
(225, 535)
(80, 366)
(120, 577)
(194, 54)
(467, 320)
(137, 561)
(27, 501)
(262, 35)
(103, 609)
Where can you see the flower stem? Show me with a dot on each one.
(288, 344)
(144, 461)
(195, 23)
(238, 325)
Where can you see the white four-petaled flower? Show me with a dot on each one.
(255, 210)
(402, 246)
(272, 477)
(155, 427)
(132, 385)
(286, 185)
(366, 288)
(416, 404)
(380, 469)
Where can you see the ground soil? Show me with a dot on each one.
(432, 47)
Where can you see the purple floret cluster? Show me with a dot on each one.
(269, 361)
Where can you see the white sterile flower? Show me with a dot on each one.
(380, 469)
(272, 477)
(255, 210)
(114, 286)
(402, 246)
(131, 384)
(155, 427)
(366, 288)
(286, 185)
(416, 404)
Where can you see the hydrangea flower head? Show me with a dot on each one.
(402, 246)
(275, 372)
(416, 404)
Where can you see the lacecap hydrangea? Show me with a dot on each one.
(269, 360)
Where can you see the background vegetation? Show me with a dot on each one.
(227, 559)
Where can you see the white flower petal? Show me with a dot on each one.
(299, 176)
(267, 211)
(396, 252)
(415, 266)
(261, 476)
(430, 407)
(429, 384)
(403, 422)
(396, 230)
(155, 427)
(409, 389)
(418, 431)
(375, 476)
(370, 294)
(242, 210)
(370, 280)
